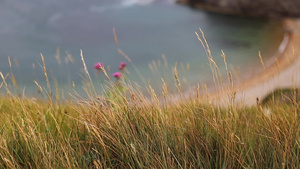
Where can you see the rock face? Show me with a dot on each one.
(259, 8)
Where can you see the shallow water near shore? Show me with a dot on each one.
(145, 31)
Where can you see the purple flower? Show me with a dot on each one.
(99, 65)
(123, 64)
(121, 67)
(117, 75)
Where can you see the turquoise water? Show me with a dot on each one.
(145, 30)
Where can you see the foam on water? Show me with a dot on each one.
(122, 4)
(128, 3)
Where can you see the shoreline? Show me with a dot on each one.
(253, 89)
(268, 9)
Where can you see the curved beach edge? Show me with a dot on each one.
(282, 73)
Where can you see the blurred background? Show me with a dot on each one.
(146, 30)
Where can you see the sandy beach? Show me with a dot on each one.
(283, 72)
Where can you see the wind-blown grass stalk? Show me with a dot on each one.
(88, 76)
(5, 84)
(12, 77)
(39, 86)
(47, 79)
(165, 89)
(56, 86)
(261, 60)
(218, 81)
(213, 66)
(178, 84)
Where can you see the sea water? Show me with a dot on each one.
(146, 31)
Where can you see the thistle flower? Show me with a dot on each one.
(121, 67)
(98, 65)
(123, 64)
(117, 75)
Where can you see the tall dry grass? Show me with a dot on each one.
(132, 132)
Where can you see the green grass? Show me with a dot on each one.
(282, 96)
(133, 133)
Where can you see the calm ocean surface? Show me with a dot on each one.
(146, 29)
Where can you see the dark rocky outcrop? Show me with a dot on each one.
(259, 8)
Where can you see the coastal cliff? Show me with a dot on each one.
(257, 8)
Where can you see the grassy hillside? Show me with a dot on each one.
(130, 131)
